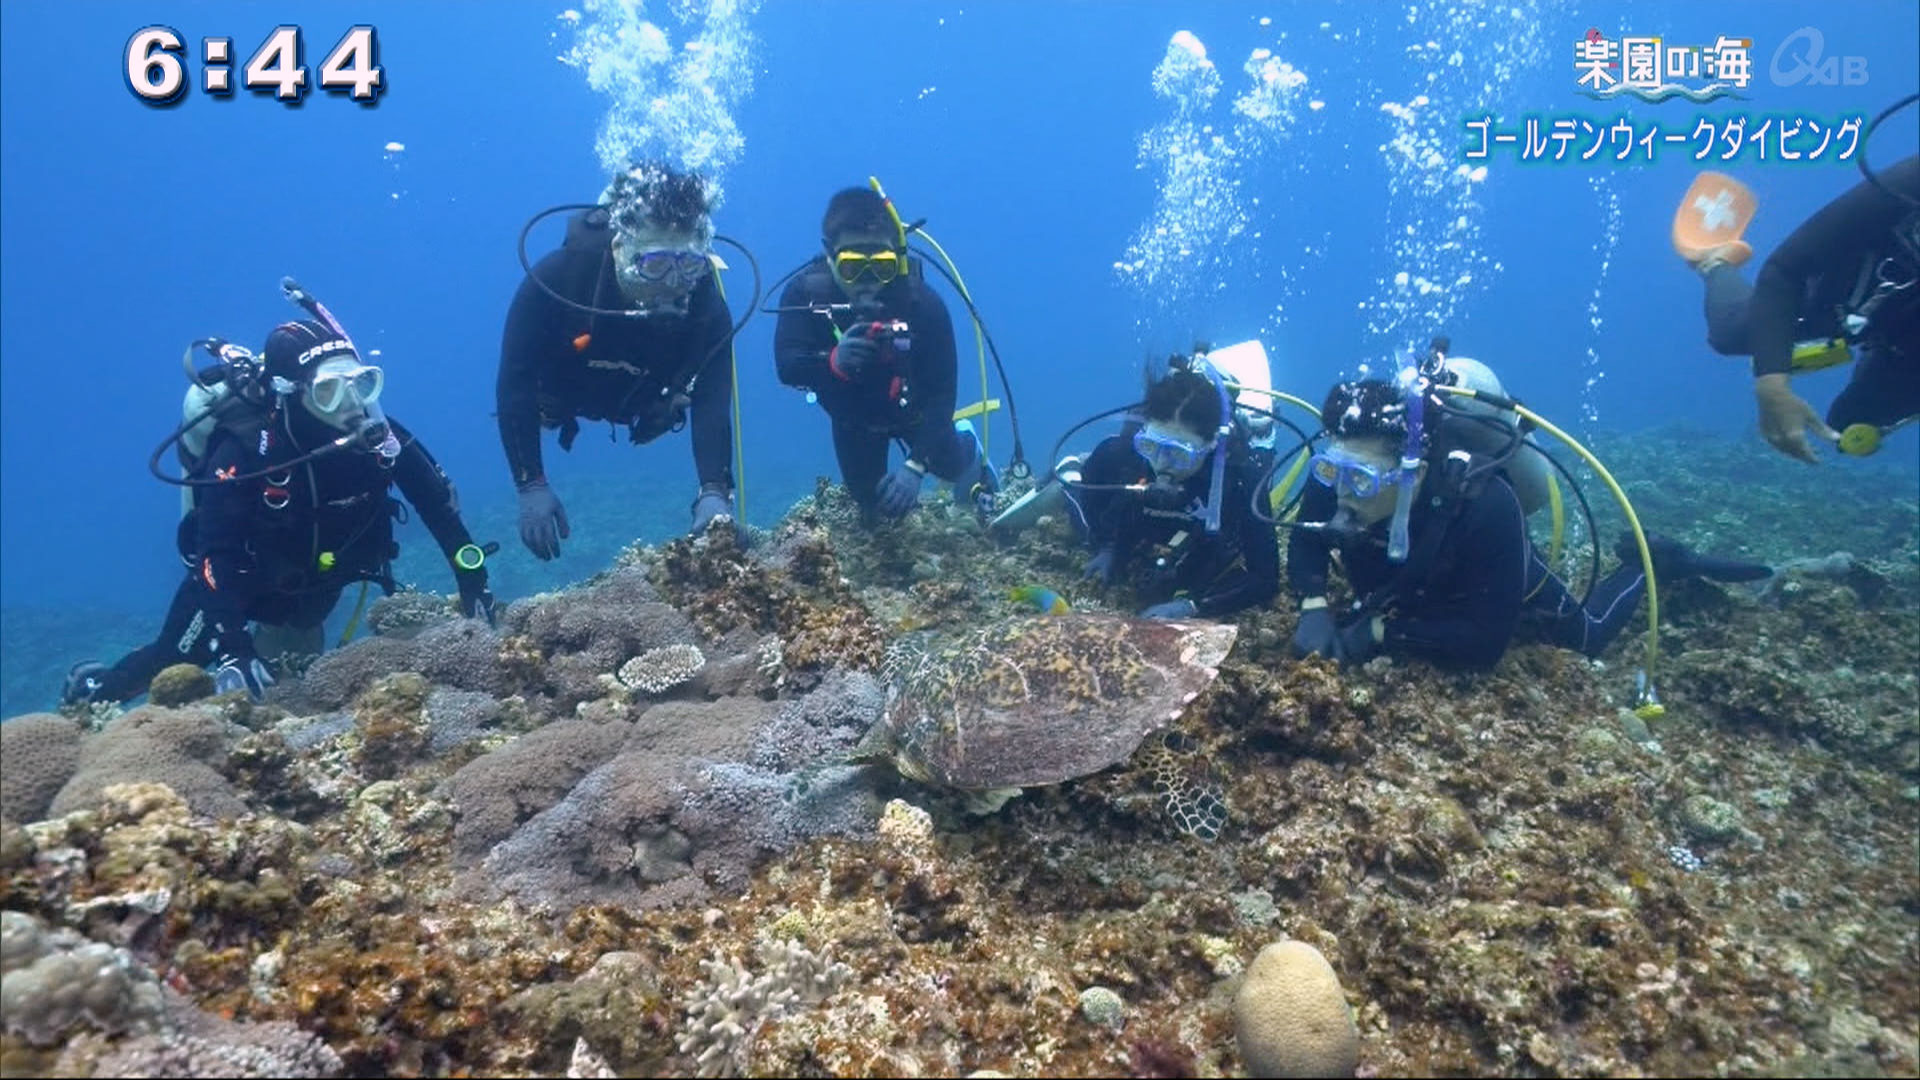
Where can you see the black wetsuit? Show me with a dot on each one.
(1813, 279)
(559, 365)
(1458, 600)
(911, 395)
(1224, 572)
(254, 548)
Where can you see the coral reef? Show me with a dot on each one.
(463, 853)
(730, 1008)
(38, 755)
(57, 981)
(657, 671)
(1290, 1017)
(180, 684)
(184, 749)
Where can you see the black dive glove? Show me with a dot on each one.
(1103, 567)
(476, 600)
(857, 355)
(1316, 634)
(1358, 644)
(543, 521)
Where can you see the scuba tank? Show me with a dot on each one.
(1528, 470)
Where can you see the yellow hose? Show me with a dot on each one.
(979, 336)
(353, 622)
(739, 445)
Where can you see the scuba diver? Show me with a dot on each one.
(862, 330)
(1167, 500)
(1432, 537)
(291, 506)
(625, 323)
(1842, 286)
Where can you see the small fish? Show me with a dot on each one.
(1042, 598)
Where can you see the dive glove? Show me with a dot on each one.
(1102, 567)
(476, 600)
(714, 504)
(242, 673)
(86, 680)
(899, 490)
(543, 521)
(1316, 634)
(1360, 639)
(1182, 608)
(856, 356)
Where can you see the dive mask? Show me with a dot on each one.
(659, 280)
(1169, 454)
(882, 266)
(1351, 476)
(342, 387)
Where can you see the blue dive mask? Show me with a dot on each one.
(1167, 454)
(1350, 476)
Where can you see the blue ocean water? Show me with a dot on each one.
(1031, 138)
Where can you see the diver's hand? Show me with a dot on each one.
(543, 521)
(1316, 634)
(857, 355)
(899, 490)
(1103, 567)
(714, 504)
(476, 600)
(1785, 418)
(1360, 639)
(242, 672)
(1182, 608)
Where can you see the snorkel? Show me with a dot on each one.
(1216, 490)
(1414, 382)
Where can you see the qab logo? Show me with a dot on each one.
(1801, 59)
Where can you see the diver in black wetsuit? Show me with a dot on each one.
(298, 521)
(650, 358)
(1850, 272)
(861, 329)
(1470, 577)
(1168, 501)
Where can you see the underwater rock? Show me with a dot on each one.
(391, 718)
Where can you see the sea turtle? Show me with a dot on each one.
(1038, 700)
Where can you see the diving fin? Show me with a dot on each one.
(1674, 561)
(1711, 218)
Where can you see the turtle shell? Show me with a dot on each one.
(1040, 700)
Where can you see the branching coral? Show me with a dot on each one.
(726, 1012)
